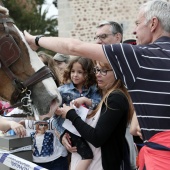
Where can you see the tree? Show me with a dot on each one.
(28, 15)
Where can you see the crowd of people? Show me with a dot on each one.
(121, 84)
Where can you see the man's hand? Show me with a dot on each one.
(139, 133)
(30, 40)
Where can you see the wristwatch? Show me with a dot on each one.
(37, 39)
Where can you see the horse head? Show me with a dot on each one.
(24, 77)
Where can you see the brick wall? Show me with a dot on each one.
(79, 18)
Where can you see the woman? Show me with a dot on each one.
(105, 127)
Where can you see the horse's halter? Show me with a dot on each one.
(9, 54)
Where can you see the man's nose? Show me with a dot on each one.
(134, 32)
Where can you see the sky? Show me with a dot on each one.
(52, 9)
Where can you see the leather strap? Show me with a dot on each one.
(37, 39)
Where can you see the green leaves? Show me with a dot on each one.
(29, 16)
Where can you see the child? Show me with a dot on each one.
(79, 81)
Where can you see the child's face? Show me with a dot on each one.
(77, 74)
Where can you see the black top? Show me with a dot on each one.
(109, 133)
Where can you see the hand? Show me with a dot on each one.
(80, 101)
(62, 111)
(67, 143)
(30, 40)
(139, 133)
(22, 122)
(18, 128)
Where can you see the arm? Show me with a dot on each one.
(106, 124)
(82, 100)
(134, 127)
(91, 101)
(6, 125)
(65, 140)
(68, 46)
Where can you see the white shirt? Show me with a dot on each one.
(59, 149)
(96, 163)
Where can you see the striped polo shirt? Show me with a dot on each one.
(145, 71)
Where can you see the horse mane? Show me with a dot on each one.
(4, 10)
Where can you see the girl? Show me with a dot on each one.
(79, 81)
(105, 127)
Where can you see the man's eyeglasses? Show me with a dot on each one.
(102, 36)
(101, 71)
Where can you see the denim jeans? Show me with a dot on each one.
(58, 164)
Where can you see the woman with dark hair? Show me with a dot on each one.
(105, 127)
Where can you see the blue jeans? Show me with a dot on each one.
(58, 164)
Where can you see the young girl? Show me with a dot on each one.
(105, 127)
(79, 81)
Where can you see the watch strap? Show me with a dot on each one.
(37, 39)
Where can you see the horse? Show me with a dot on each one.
(24, 80)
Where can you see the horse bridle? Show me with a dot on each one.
(9, 54)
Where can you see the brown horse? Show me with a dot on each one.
(24, 80)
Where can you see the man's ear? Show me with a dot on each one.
(154, 23)
(119, 37)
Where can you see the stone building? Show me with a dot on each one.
(79, 18)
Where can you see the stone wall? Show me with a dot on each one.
(79, 18)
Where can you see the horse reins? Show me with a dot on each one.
(9, 54)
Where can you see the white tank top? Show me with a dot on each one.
(96, 163)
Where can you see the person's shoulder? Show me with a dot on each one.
(118, 95)
(65, 87)
(118, 98)
(93, 87)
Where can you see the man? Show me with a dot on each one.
(145, 71)
(61, 61)
(110, 32)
